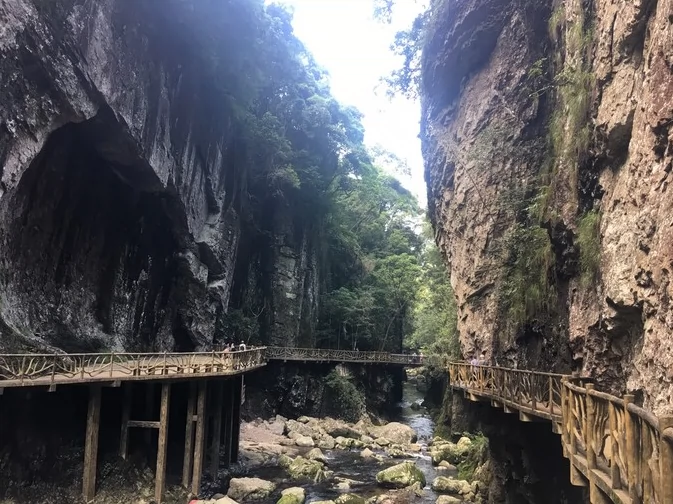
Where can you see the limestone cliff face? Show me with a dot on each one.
(120, 181)
(550, 122)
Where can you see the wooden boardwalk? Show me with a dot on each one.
(622, 452)
(350, 356)
(20, 370)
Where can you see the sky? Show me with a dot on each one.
(355, 49)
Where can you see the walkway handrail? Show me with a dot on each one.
(620, 448)
(21, 369)
(326, 355)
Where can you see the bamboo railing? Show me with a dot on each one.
(52, 369)
(623, 452)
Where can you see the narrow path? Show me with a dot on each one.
(621, 451)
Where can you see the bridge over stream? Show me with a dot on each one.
(623, 453)
(216, 391)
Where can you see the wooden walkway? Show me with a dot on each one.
(350, 356)
(622, 452)
(20, 370)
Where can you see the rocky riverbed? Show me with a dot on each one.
(329, 461)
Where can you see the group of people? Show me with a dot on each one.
(233, 347)
(479, 361)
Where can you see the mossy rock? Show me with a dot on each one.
(304, 469)
(349, 498)
(400, 476)
(294, 495)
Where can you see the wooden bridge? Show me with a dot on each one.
(216, 390)
(350, 356)
(621, 451)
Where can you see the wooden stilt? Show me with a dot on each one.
(236, 417)
(91, 444)
(149, 410)
(189, 437)
(200, 431)
(162, 443)
(228, 421)
(666, 461)
(631, 450)
(216, 440)
(126, 416)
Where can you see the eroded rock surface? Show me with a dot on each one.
(511, 90)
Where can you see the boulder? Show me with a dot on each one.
(285, 461)
(249, 489)
(451, 485)
(349, 498)
(343, 484)
(445, 465)
(367, 453)
(366, 439)
(344, 442)
(400, 476)
(305, 441)
(316, 454)
(277, 426)
(294, 495)
(224, 500)
(395, 452)
(336, 428)
(447, 499)
(303, 419)
(304, 469)
(415, 406)
(415, 447)
(300, 428)
(382, 441)
(323, 502)
(326, 442)
(453, 453)
(395, 432)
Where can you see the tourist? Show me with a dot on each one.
(241, 347)
(474, 361)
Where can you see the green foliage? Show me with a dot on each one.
(588, 240)
(344, 397)
(527, 288)
(474, 457)
(435, 313)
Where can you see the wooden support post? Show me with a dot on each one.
(666, 461)
(228, 421)
(236, 427)
(162, 444)
(189, 437)
(615, 480)
(589, 434)
(200, 431)
(216, 441)
(631, 450)
(565, 416)
(126, 416)
(149, 409)
(91, 444)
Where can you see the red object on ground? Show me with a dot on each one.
(193, 501)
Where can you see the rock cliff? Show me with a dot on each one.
(547, 139)
(124, 215)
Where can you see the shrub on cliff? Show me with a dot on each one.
(344, 399)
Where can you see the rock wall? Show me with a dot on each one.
(552, 120)
(120, 184)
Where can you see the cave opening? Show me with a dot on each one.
(91, 243)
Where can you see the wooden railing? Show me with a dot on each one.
(328, 355)
(623, 452)
(41, 369)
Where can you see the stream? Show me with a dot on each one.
(349, 465)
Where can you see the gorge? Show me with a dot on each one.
(177, 176)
